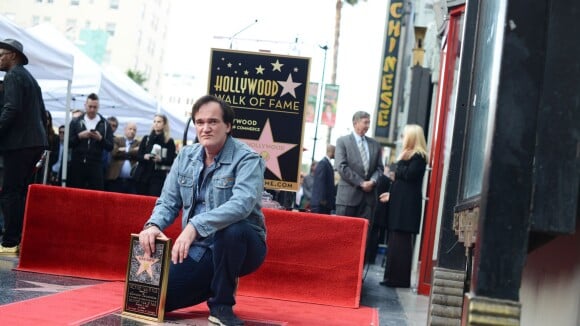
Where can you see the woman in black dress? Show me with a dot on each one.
(156, 154)
(405, 207)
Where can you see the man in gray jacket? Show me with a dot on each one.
(359, 162)
(22, 138)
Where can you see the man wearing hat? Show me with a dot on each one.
(22, 138)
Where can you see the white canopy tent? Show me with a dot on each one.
(46, 62)
(119, 95)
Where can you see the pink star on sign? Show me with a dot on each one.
(268, 149)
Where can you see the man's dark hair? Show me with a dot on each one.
(93, 97)
(227, 111)
(113, 119)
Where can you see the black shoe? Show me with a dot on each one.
(224, 316)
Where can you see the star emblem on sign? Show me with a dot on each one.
(269, 149)
(145, 265)
(288, 86)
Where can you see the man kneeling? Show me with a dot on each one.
(218, 182)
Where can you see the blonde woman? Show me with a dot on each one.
(405, 203)
(156, 154)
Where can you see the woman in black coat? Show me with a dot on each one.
(155, 156)
(405, 207)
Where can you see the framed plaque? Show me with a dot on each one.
(146, 280)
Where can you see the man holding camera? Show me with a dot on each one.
(90, 134)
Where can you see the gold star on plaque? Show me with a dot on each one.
(145, 265)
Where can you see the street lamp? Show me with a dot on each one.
(319, 102)
(241, 30)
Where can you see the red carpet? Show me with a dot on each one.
(67, 308)
(292, 313)
(311, 258)
(103, 299)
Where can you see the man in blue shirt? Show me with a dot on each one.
(218, 183)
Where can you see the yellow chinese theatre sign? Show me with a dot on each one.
(268, 94)
(389, 71)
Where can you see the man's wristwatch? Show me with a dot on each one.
(148, 225)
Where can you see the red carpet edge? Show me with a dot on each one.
(79, 306)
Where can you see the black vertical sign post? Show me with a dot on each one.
(268, 93)
(384, 120)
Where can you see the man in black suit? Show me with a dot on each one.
(323, 193)
(22, 138)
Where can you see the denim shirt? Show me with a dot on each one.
(233, 193)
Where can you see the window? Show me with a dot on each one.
(114, 4)
(74, 2)
(35, 20)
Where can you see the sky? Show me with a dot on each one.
(298, 27)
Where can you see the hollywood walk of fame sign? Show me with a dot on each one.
(146, 281)
(268, 93)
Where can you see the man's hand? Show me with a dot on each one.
(147, 239)
(384, 197)
(367, 186)
(181, 246)
(96, 135)
(85, 134)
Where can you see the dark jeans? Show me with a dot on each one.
(18, 171)
(122, 185)
(86, 175)
(320, 209)
(238, 250)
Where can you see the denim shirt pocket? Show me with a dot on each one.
(223, 185)
(185, 189)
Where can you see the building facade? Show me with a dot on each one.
(500, 234)
(127, 34)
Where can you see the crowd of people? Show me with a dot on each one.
(99, 159)
(217, 183)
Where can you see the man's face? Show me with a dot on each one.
(61, 134)
(6, 58)
(91, 108)
(130, 131)
(361, 126)
(211, 129)
(114, 125)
